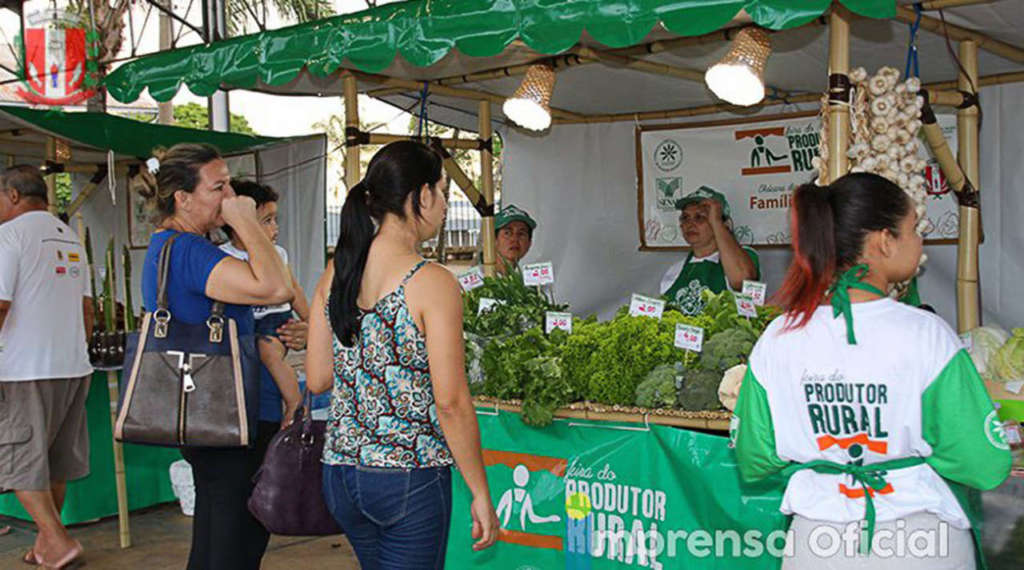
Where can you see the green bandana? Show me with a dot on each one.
(871, 478)
(840, 292)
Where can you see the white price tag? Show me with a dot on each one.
(486, 304)
(689, 337)
(471, 279)
(538, 274)
(756, 290)
(553, 320)
(745, 305)
(640, 306)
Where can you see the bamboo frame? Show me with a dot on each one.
(600, 415)
(986, 81)
(476, 95)
(51, 180)
(967, 298)
(958, 33)
(385, 138)
(589, 54)
(487, 184)
(940, 4)
(120, 481)
(351, 96)
(462, 180)
(87, 191)
(838, 112)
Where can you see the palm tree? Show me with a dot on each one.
(107, 20)
(242, 13)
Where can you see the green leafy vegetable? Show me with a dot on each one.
(659, 389)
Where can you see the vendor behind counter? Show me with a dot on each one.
(716, 261)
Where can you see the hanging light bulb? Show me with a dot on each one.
(529, 105)
(738, 78)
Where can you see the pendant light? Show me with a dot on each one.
(738, 78)
(529, 105)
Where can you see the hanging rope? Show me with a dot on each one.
(421, 127)
(912, 45)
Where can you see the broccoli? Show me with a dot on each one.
(700, 390)
(727, 349)
(658, 390)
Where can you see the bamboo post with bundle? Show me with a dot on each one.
(967, 293)
(110, 320)
(838, 93)
(351, 97)
(487, 188)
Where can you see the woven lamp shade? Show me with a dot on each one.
(738, 78)
(529, 107)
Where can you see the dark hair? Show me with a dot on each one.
(27, 180)
(260, 193)
(829, 224)
(179, 170)
(396, 172)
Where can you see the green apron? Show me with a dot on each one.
(695, 277)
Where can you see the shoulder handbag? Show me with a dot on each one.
(288, 496)
(188, 385)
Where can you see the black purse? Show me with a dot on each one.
(188, 385)
(288, 496)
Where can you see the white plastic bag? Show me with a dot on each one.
(183, 486)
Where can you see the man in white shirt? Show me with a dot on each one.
(45, 319)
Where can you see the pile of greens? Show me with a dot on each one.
(624, 361)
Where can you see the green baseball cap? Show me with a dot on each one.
(704, 193)
(510, 214)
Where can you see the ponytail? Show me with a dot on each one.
(829, 225)
(396, 174)
(349, 262)
(812, 225)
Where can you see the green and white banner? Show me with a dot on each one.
(586, 495)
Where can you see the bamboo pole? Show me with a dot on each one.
(600, 415)
(1011, 52)
(487, 186)
(110, 320)
(838, 105)
(967, 298)
(940, 4)
(986, 81)
(465, 144)
(351, 93)
(640, 64)
(477, 95)
(51, 180)
(463, 181)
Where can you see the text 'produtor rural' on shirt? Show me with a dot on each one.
(906, 389)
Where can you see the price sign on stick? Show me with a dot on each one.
(756, 290)
(745, 305)
(554, 320)
(640, 306)
(689, 337)
(538, 274)
(471, 279)
(486, 304)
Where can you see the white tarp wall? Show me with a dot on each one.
(586, 206)
(296, 169)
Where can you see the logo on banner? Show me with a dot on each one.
(668, 155)
(780, 149)
(55, 66)
(667, 190)
(517, 511)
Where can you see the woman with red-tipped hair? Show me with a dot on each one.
(867, 405)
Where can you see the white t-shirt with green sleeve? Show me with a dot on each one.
(907, 388)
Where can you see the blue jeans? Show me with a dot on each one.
(394, 518)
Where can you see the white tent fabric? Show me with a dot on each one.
(296, 168)
(585, 205)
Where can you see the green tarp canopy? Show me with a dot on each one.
(23, 134)
(423, 32)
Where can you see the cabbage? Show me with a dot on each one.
(984, 342)
(1008, 362)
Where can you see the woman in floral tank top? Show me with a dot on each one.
(386, 335)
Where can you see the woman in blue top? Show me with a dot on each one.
(192, 195)
(386, 334)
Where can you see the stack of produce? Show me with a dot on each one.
(625, 361)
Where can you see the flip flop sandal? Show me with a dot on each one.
(72, 560)
(29, 558)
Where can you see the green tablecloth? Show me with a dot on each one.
(146, 470)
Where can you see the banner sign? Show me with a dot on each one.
(594, 495)
(756, 164)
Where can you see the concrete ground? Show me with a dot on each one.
(160, 541)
